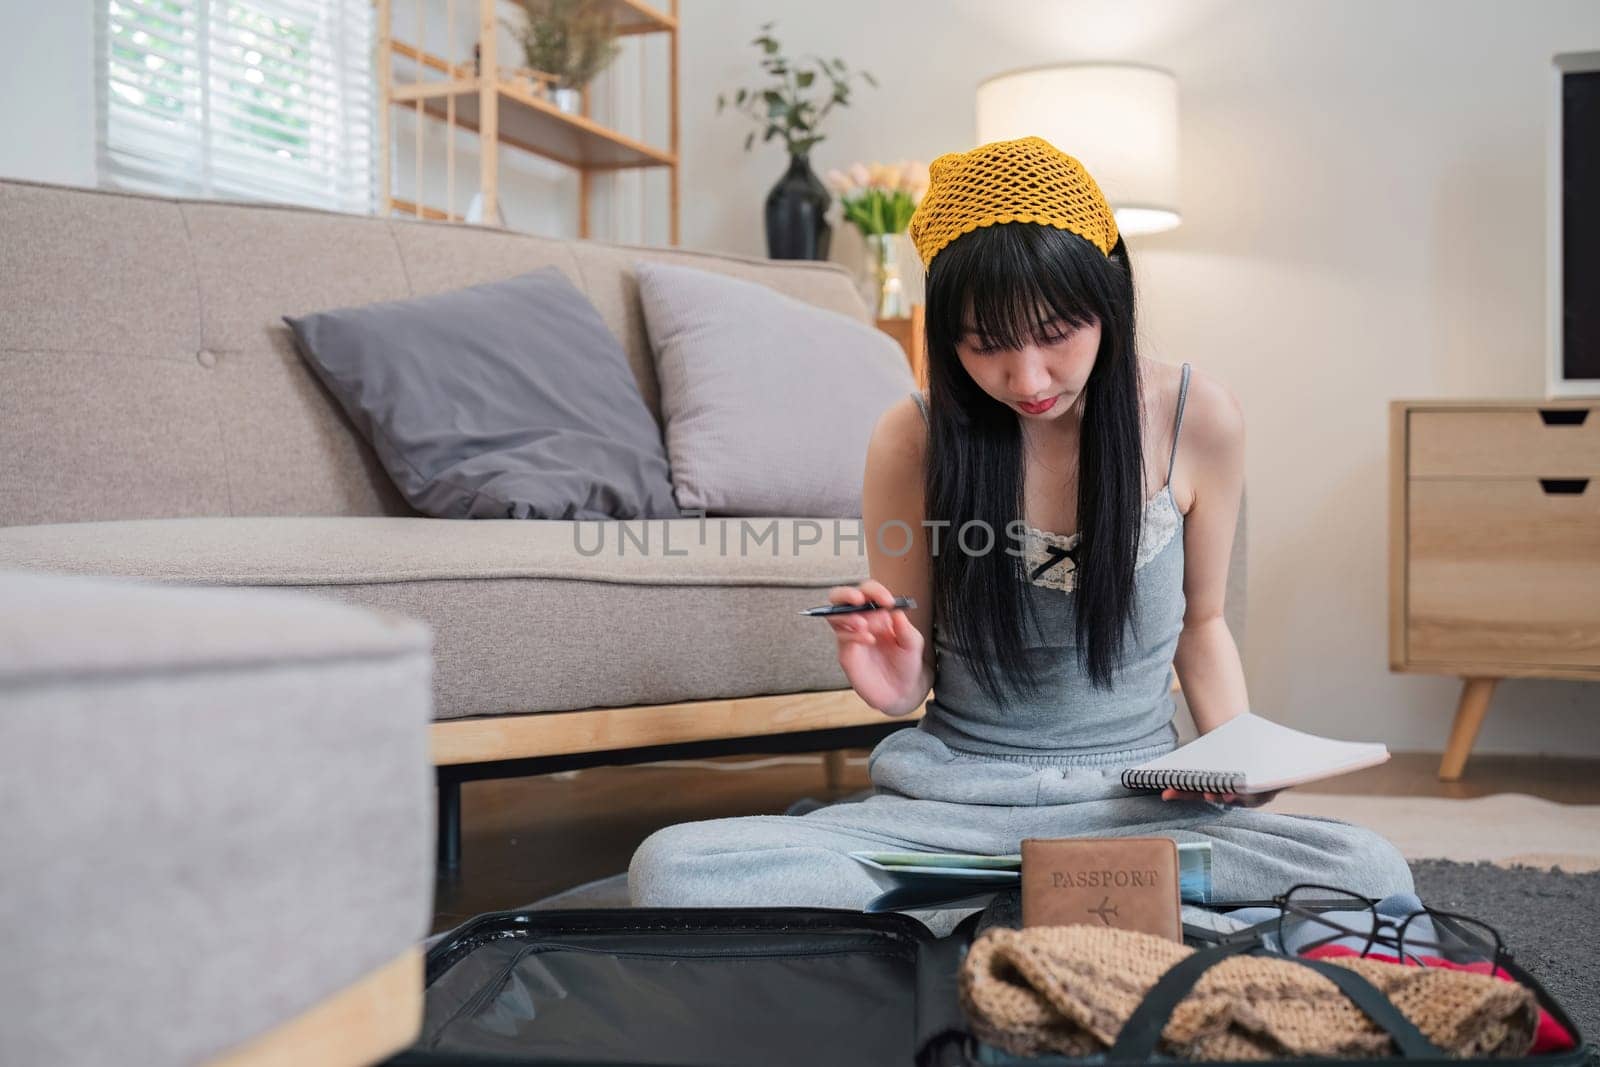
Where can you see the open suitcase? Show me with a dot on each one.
(776, 987)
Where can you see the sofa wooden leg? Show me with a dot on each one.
(833, 769)
(1474, 705)
(449, 860)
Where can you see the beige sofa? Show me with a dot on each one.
(156, 421)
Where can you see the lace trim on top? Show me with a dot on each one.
(1052, 558)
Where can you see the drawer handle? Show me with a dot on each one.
(1564, 417)
(1567, 486)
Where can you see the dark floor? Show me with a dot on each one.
(523, 839)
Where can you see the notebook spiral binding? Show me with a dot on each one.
(1189, 781)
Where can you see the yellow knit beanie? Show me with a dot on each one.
(1027, 180)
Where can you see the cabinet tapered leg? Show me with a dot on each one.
(1475, 696)
(833, 768)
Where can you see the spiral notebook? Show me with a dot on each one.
(1249, 754)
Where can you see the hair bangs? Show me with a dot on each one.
(1013, 283)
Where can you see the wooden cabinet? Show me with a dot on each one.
(912, 335)
(1494, 547)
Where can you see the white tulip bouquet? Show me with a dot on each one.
(879, 198)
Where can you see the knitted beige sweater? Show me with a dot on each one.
(1068, 989)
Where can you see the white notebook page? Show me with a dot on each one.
(1268, 754)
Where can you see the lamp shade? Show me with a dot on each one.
(1119, 120)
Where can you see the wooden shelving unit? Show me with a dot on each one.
(503, 106)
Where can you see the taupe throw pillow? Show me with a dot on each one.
(507, 400)
(768, 402)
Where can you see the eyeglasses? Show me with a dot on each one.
(1310, 916)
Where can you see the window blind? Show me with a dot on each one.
(238, 99)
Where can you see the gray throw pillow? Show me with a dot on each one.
(768, 402)
(509, 399)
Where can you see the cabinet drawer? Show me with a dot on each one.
(1502, 571)
(1504, 443)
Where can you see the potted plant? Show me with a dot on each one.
(796, 98)
(878, 199)
(570, 41)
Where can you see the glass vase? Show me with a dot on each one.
(888, 290)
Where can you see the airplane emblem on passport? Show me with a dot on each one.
(1105, 909)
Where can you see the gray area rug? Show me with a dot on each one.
(1549, 919)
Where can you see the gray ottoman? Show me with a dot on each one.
(216, 819)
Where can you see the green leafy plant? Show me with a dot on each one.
(571, 40)
(787, 106)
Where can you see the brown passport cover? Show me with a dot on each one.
(1130, 883)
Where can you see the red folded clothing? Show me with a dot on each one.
(1550, 1036)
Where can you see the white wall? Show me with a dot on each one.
(1363, 198)
(47, 83)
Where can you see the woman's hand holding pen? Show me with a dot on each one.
(880, 651)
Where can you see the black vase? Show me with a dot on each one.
(797, 214)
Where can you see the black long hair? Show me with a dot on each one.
(1007, 274)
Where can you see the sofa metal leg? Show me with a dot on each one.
(835, 743)
(833, 765)
(449, 822)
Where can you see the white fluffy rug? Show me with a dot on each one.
(1506, 829)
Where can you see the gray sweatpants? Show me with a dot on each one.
(926, 797)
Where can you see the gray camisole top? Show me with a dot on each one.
(1068, 714)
